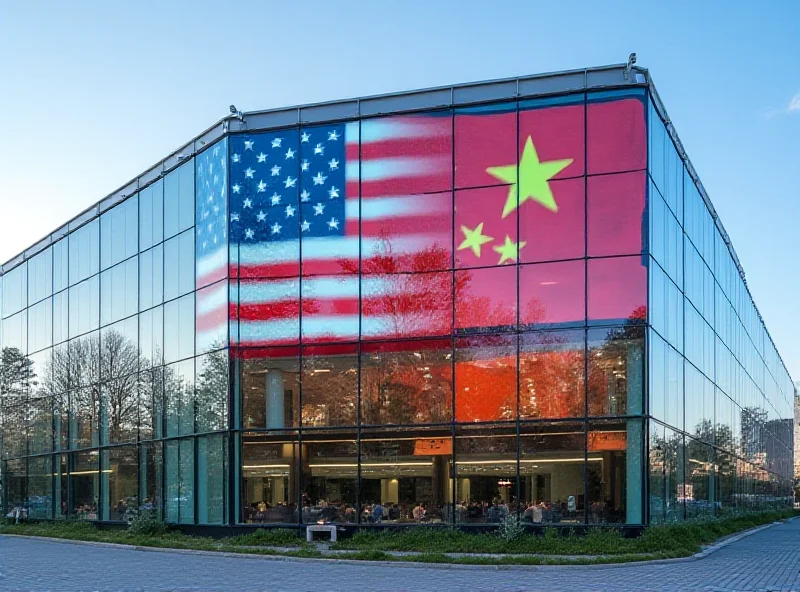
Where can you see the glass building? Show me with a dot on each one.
(439, 306)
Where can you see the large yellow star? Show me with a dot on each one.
(473, 239)
(509, 250)
(532, 179)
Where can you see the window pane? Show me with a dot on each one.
(330, 385)
(40, 326)
(179, 336)
(408, 477)
(486, 226)
(40, 276)
(212, 214)
(151, 278)
(151, 404)
(212, 317)
(269, 481)
(83, 355)
(15, 332)
(556, 135)
(406, 382)
(486, 298)
(212, 473)
(392, 305)
(614, 472)
(15, 290)
(84, 407)
(331, 481)
(486, 378)
(615, 136)
(486, 476)
(40, 425)
(484, 137)
(616, 371)
(151, 215)
(119, 288)
(552, 293)
(617, 289)
(119, 349)
(549, 234)
(269, 384)
(119, 475)
(85, 485)
(178, 266)
(151, 471)
(119, 229)
(179, 398)
(552, 473)
(84, 307)
(616, 214)
(266, 312)
(151, 337)
(60, 265)
(179, 200)
(264, 204)
(40, 487)
(84, 252)
(211, 386)
(60, 317)
(551, 371)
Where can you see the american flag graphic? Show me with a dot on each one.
(211, 246)
(310, 208)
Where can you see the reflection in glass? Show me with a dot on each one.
(617, 289)
(552, 293)
(15, 290)
(269, 387)
(84, 307)
(265, 312)
(179, 473)
(119, 475)
(151, 278)
(179, 266)
(486, 378)
(84, 408)
(179, 336)
(485, 136)
(486, 227)
(179, 398)
(211, 233)
(211, 391)
(330, 385)
(486, 476)
(84, 252)
(119, 292)
(269, 480)
(119, 230)
(151, 472)
(119, 410)
(211, 479)
(179, 201)
(151, 404)
(551, 373)
(614, 472)
(84, 477)
(552, 235)
(486, 298)
(60, 265)
(616, 371)
(151, 215)
(40, 488)
(330, 480)
(211, 322)
(616, 135)
(616, 215)
(40, 276)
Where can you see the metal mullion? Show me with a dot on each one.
(452, 473)
(586, 308)
(516, 331)
(359, 418)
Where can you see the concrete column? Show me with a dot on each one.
(389, 491)
(274, 399)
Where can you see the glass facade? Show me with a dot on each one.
(445, 316)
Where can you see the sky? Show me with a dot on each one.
(94, 93)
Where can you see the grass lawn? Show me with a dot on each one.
(434, 545)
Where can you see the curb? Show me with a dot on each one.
(412, 564)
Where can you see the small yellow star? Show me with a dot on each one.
(473, 239)
(509, 251)
(532, 180)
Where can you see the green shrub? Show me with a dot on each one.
(147, 523)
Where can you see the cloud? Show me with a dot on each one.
(792, 108)
(794, 104)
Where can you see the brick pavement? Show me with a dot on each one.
(766, 561)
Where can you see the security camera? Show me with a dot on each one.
(631, 60)
(233, 109)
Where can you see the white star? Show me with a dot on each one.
(216, 150)
(318, 209)
(276, 170)
(334, 135)
(333, 164)
(289, 182)
(210, 226)
(304, 195)
(262, 187)
(247, 203)
(304, 166)
(290, 211)
(319, 149)
(261, 216)
(290, 153)
(304, 225)
(205, 244)
(210, 168)
(236, 158)
(222, 163)
(319, 179)
(216, 179)
(249, 173)
(249, 234)
(305, 137)
(276, 199)
(333, 192)
(248, 144)
(216, 209)
(234, 217)
(276, 143)
(262, 157)
(276, 228)
(333, 224)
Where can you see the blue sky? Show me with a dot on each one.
(93, 93)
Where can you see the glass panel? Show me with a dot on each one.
(553, 293)
(486, 475)
(211, 175)
(269, 480)
(179, 266)
(179, 398)
(84, 252)
(40, 425)
(40, 488)
(15, 290)
(151, 215)
(211, 391)
(406, 382)
(485, 137)
(615, 135)
(84, 309)
(269, 383)
(119, 292)
(85, 485)
(151, 278)
(553, 234)
(556, 138)
(15, 332)
(701, 497)
(211, 320)
(84, 360)
(266, 312)
(14, 479)
(179, 336)
(406, 477)
(119, 475)
(486, 378)
(551, 470)
(151, 404)
(614, 472)
(119, 229)
(330, 386)
(40, 326)
(40, 276)
(486, 298)
(330, 481)
(119, 349)
(551, 374)
(486, 226)
(617, 289)
(84, 407)
(151, 471)
(211, 479)
(151, 337)
(119, 410)
(180, 481)
(61, 317)
(60, 265)
(616, 216)
(179, 200)
(392, 305)
(616, 371)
